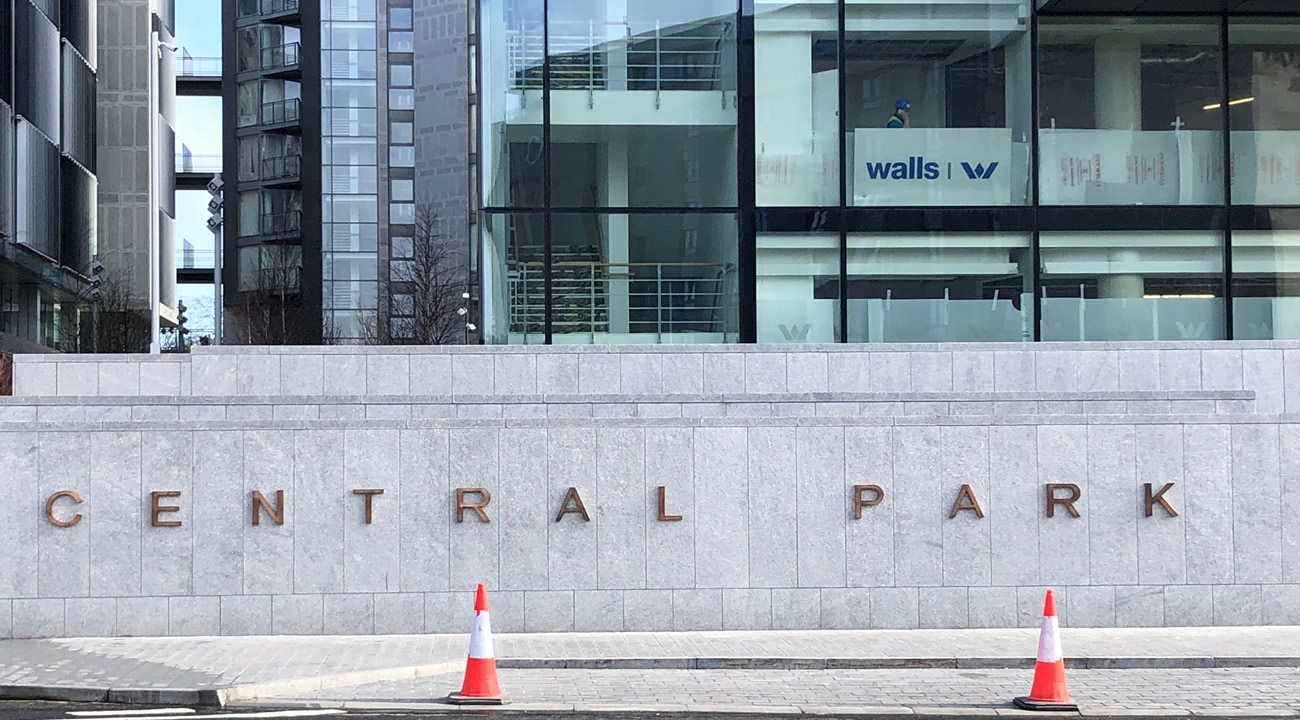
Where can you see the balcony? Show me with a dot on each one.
(281, 12)
(282, 61)
(283, 170)
(198, 76)
(282, 115)
(282, 224)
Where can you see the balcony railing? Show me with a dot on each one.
(287, 167)
(281, 112)
(279, 7)
(680, 58)
(195, 259)
(204, 164)
(280, 58)
(283, 223)
(661, 298)
(199, 67)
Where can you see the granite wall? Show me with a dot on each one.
(758, 450)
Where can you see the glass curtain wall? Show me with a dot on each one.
(610, 159)
(992, 170)
(350, 153)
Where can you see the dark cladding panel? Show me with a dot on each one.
(36, 51)
(6, 172)
(6, 52)
(78, 27)
(37, 206)
(78, 197)
(78, 109)
(49, 7)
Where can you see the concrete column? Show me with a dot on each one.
(614, 33)
(1117, 63)
(1118, 97)
(616, 240)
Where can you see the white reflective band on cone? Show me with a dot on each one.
(1049, 641)
(480, 638)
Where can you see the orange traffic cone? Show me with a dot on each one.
(481, 686)
(1050, 691)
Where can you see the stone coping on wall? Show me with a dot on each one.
(649, 423)
(663, 349)
(597, 398)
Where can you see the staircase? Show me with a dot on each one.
(580, 288)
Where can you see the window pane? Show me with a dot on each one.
(931, 287)
(356, 209)
(350, 151)
(798, 287)
(356, 64)
(351, 9)
(350, 93)
(1266, 279)
(680, 61)
(249, 103)
(1264, 58)
(1129, 112)
(402, 99)
(357, 122)
(644, 278)
(797, 122)
(402, 76)
(513, 281)
(401, 156)
(400, 18)
(401, 213)
(939, 115)
(351, 36)
(1132, 286)
(403, 190)
(248, 51)
(401, 42)
(403, 133)
(511, 150)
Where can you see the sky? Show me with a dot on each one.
(198, 127)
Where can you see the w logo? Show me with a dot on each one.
(795, 333)
(978, 171)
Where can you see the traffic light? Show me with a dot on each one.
(181, 330)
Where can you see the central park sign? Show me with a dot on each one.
(61, 506)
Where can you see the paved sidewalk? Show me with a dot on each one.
(547, 667)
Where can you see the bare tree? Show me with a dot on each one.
(422, 299)
(270, 310)
(107, 319)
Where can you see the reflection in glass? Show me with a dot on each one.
(951, 287)
(938, 108)
(514, 279)
(797, 122)
(1130, 112)
(1266, 279)
(798, 287)
(511, 42)
(1264, 62)
(643, 103)
(1132, 286)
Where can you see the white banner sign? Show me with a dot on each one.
(932, 166)
(1122, 167)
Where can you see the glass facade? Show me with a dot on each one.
(867, 171)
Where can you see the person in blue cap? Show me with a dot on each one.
(900, 118)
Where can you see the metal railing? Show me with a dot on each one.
(286, 167)
(195, 259)
(199, 67)
(698, 57)
(280, 112)
(281, 57)
(205, 164)
(282, 223)
(662, 298)
(279, 7)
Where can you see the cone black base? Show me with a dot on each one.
(458, 699)
(1025, 703)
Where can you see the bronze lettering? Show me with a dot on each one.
(369, 495)
(860, 500)
(462, 505)
(1068, 502)
(1158, 497)
(156, 509)
(49, 508)
(260, 504)
(573, 504)
(966, 501)
(663, 513)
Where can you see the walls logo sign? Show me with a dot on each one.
(916, 168)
